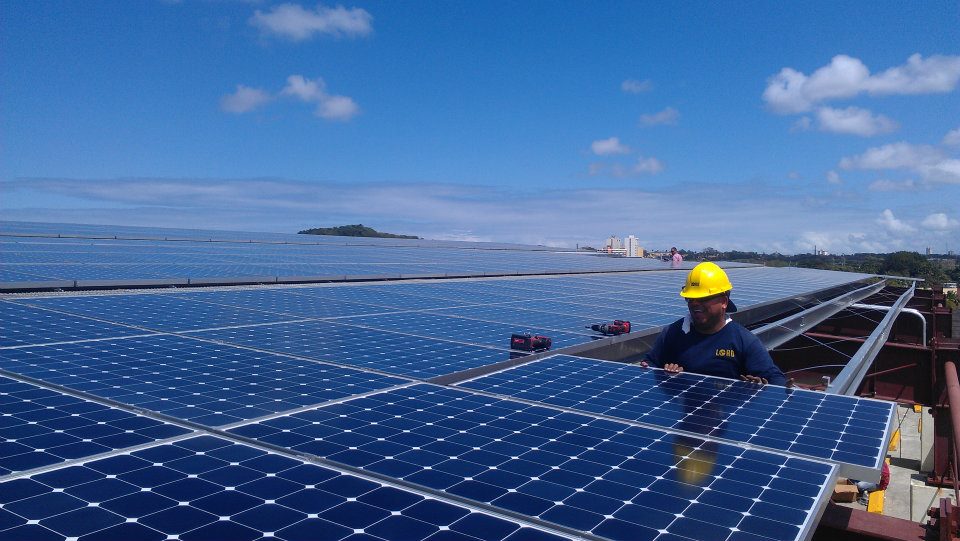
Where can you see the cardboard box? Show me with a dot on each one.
(844, 492)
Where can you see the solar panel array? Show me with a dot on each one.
(33, 256)
(100, 232)
(306, 412)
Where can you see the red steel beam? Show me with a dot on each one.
(840, 523)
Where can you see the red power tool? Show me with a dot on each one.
(529, 342)
(612, 329)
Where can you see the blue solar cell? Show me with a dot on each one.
(141, 504)
(317, 502)
(848, 430)
(383, 299)
(110, 368)
(43, 427)
(573, 316)
(154, 312)
(460, 329)
(401, 354)
(293, 303)
(26, 325)
(554, 474)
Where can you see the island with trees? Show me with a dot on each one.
(356, 230)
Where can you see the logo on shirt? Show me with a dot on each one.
(725, 353)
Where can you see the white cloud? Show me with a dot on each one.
(605, 147)
(667, 116)
(329, 107)
(245, 99)
(946, 171)
(794, 175)
(295, 23)
(647, 166)
(885, 185)
(834, 178)
(643, 166)
(791, 91)
(934, 75)
(925, 160)
(952, 138)
(340, 108)
(854, 120)
(633, 86)
(940, 222)
(304, 89)
(893, 225)
(894, 156)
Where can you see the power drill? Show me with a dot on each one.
(530, 342)
(612, 329)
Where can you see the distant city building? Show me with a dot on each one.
(630, 248)
(614, 243)
(633, 247)
(949, 287)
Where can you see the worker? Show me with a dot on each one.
(706, 340)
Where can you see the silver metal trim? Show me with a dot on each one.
(848, 380)
(788, 328)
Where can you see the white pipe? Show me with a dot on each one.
(914, 311)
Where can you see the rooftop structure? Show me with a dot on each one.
(385, 403)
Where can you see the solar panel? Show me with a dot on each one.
(524, 318)
(390, 352)
(24, 325)
(595, 476)
(321, 302)
(211, 488)
(206, 383)
(848, 430)
(41, 427)
(405, 296)
(313, 380)
(155, 311)
(470, 331)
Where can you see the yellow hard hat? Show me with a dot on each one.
(705, 280)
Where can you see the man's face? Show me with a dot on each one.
(708, 313)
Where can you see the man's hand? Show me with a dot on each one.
(671, 368)
(754, 379)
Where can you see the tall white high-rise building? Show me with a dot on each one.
(633, 247)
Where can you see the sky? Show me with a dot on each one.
(748, 125)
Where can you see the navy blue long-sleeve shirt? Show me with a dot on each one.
(731, 352)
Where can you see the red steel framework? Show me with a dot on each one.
(910, 369)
